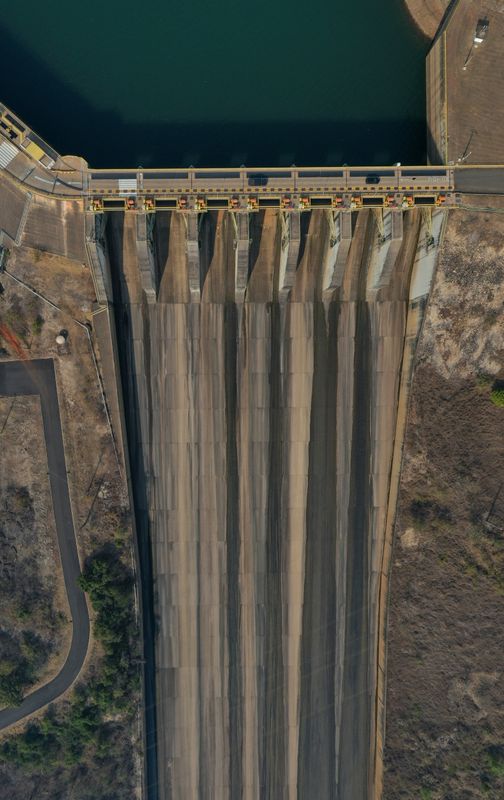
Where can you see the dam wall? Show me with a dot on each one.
(437, 102)
(262, 383)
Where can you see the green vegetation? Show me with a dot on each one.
(19, 499)
(497, 396)
(11, 684)
(493, 770)
(427, 509)
(483, 380)
(38, 324)
(495, 761)
(19, 665)
(84, 726)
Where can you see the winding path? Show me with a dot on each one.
(37, 378)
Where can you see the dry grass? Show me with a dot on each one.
(445, 709)
(97, 491)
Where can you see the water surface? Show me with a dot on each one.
(227, 82)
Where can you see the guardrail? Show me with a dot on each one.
(243, 189)
(267, 180)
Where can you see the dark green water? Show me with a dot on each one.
(218, 83)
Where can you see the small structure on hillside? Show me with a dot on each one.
(481, 31)
(62, 342)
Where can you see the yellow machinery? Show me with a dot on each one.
(96, 205)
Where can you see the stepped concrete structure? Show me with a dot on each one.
(262, 404)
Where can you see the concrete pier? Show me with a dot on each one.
(98, 259)
(193, 258)
(241, 222)
(146, 255)
(337, 259)
(291, 241)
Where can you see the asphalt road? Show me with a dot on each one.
(37, 378)
(480, 180)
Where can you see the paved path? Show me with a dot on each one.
(37, 378)
(480, 180)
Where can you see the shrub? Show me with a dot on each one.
(483, 380)
(22, 657)
(497, 396)
(38, 324)
(11, 683)
(61, 741)
(495, 760)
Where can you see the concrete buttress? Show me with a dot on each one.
(145, 254)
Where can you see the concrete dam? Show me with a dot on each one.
(257, 328)
(262, 360)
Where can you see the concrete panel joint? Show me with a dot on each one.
(24, 217)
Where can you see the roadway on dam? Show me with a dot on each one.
(480, 180)
(261, 435)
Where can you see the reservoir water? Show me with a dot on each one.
(169, 83)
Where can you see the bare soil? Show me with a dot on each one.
(445, 698)
(97, 489)
(35, 622)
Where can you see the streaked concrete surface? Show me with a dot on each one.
(56, 227)
(427, 252)
(262, 433)
(12, 207)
